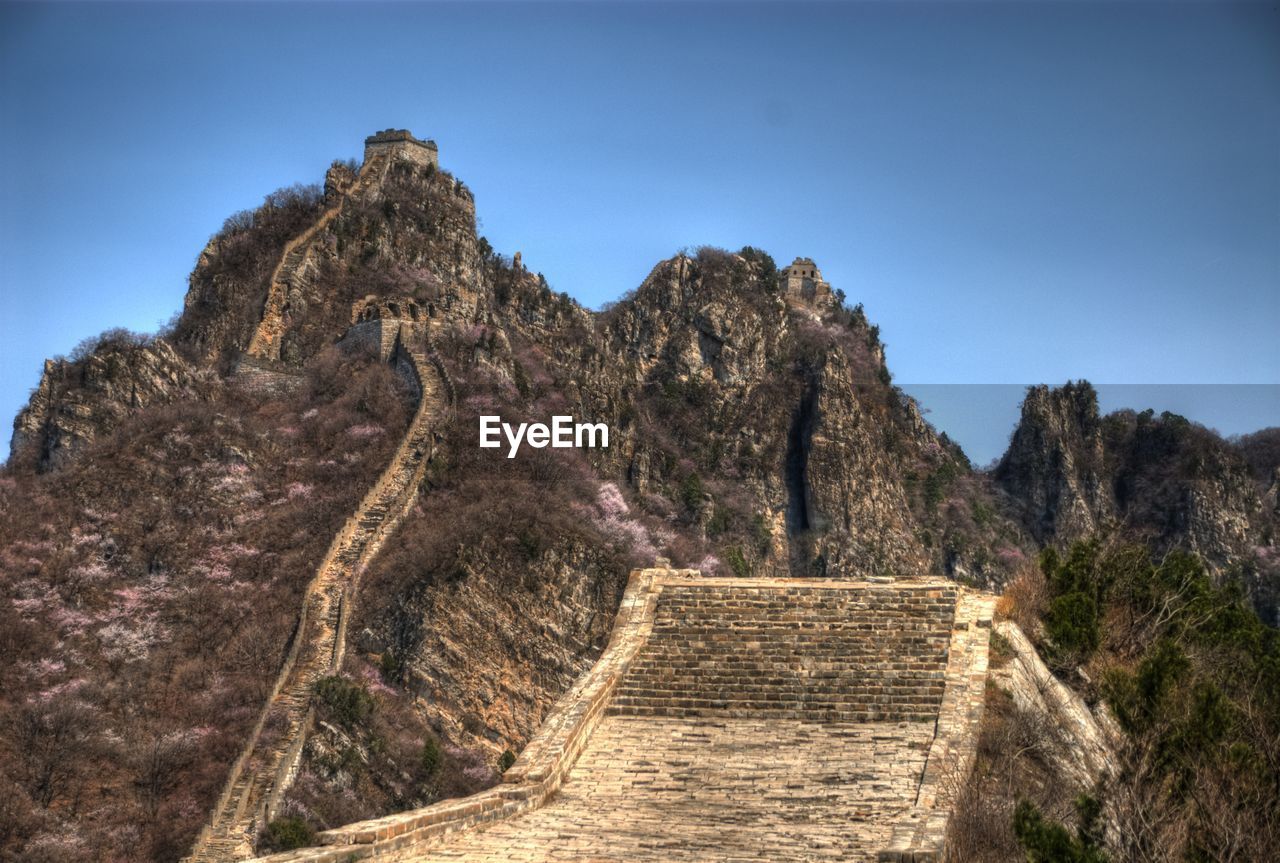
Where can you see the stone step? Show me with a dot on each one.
(871, 714)
(774, 699)
(812, 653)
(656, 688)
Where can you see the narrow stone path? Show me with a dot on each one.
(297, 264)
(269, 760)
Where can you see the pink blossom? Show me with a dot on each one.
(617, 527)
(131, 600)
(478, 772)
(708, 565)
(299, 489)
(228, 483)
(27, 607)
(67, 687)
(373, 680)
(78, 538)
(121, 642)
(70, 621)
(365, 431)
(611, 502)
(482, 402)
(91, 573)
(44, 668)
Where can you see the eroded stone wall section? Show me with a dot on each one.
(268, 762)
(744, 719)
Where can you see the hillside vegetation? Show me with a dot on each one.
(161, 519)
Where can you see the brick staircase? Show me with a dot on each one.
(732, 720)
(267, 764)
(297, 263)
(811, 653)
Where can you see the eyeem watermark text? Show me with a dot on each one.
(561, 434)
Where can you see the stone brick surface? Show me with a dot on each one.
(733, 720)
(701, 789)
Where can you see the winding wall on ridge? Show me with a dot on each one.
(269, 760)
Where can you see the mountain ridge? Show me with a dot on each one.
(756, 431)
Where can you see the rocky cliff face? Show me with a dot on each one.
(752, 410)
(1160, 478)
(80, 399)
(1055, 464)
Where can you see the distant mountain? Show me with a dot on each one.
(1162, 479)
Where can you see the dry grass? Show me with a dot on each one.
(1025, 599)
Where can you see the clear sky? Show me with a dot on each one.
(1017, 193)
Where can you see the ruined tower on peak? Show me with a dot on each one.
(803, 281)
(400, 143)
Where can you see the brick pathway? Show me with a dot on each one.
(657, 789)
(732, 720)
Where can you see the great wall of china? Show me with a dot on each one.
(727, 718)
(267, 763)
(733, 719)
(269, 759)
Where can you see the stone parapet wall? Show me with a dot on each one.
(920, 835)
(265, 378)
(384, 336)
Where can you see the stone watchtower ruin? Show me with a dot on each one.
(803, 281)
(388, 322)
(401, 143)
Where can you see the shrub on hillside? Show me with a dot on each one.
(286, 834)
(343, 701)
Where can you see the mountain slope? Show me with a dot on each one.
(155, 552)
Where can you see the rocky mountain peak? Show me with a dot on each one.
(81, 398)
(1055, 463)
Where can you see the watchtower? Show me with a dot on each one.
(387, 322)
(803, 281)
(401, 144)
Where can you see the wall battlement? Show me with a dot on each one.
(387, 323)
(401, 144)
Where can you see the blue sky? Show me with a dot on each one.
(1017, 193)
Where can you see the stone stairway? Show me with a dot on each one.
(731, 720)
(267, 764)
(297, 264)
(810, 653)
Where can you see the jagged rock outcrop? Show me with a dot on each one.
(1055, 463)
(1162, 479)
(782, 399)
(80, 399)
